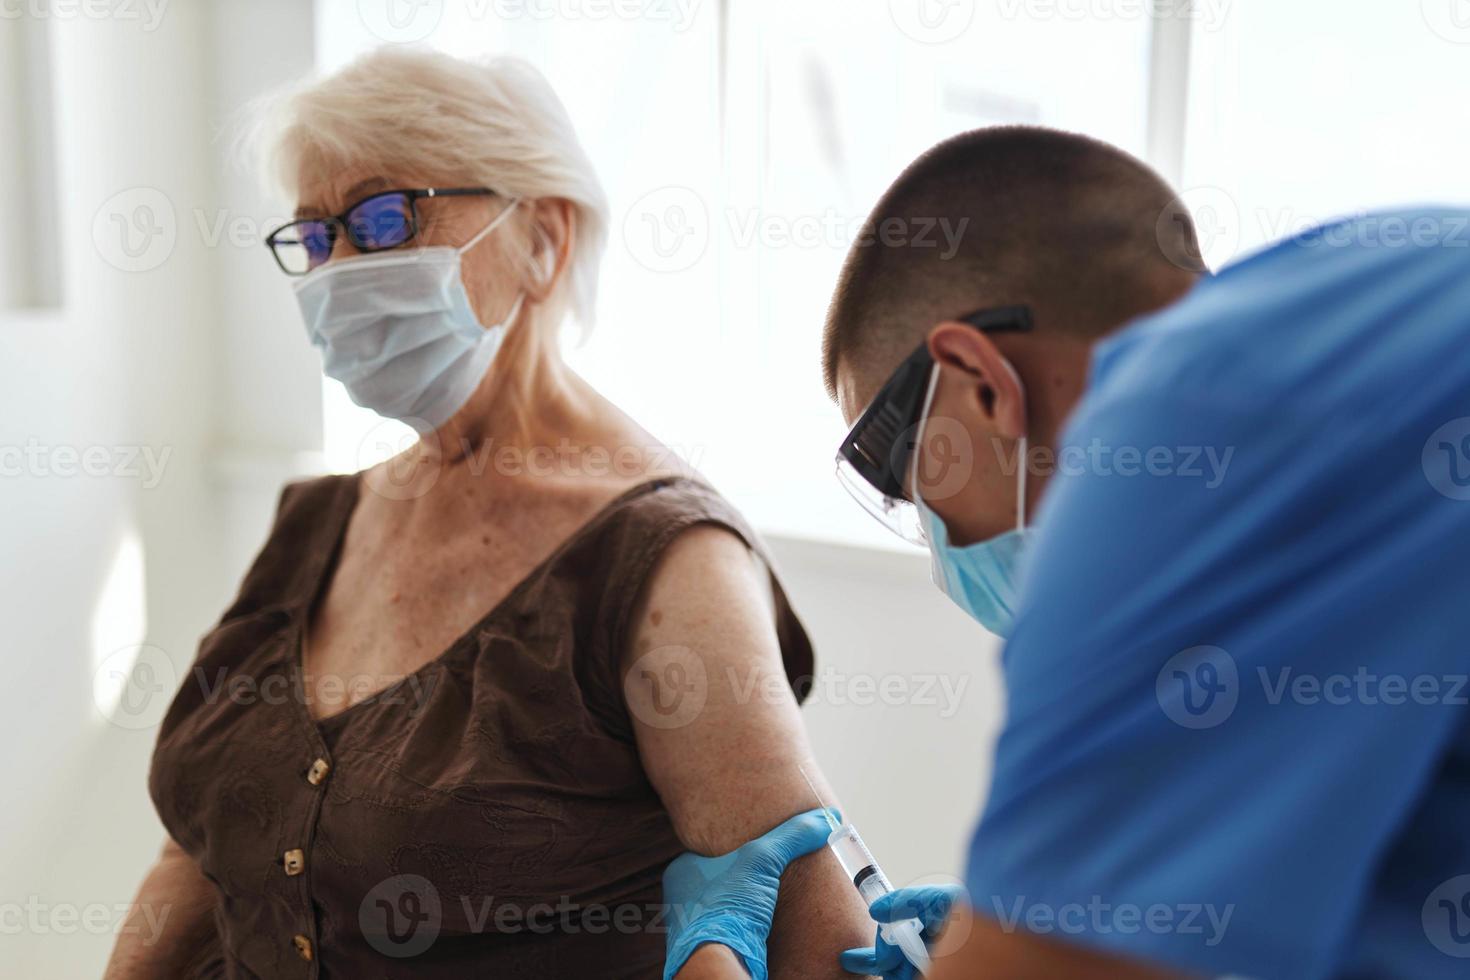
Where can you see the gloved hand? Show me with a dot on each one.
(730, 899)
(930, 904)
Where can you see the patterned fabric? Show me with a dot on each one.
(485, 816)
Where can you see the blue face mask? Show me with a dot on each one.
(397, 329)
(983, 578)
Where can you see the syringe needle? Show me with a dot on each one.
(826, 810)
(862, 869)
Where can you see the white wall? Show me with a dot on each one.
(185, 343)
(100, 557)
(108, 372)
(907, 705)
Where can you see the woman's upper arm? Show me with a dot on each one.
(721, 738)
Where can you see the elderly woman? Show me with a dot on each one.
(469, 704)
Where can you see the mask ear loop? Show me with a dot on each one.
(1021, 461)
(510, 318)
(1023, 457)
(919, 432)
(494, 223)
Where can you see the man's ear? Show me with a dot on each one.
(986, 381)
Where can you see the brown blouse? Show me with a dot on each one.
(486, 816)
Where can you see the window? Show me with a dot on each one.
(1307, 111)
(29, 272)
(741, 147)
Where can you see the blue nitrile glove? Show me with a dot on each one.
(930, 904)
(730, 899)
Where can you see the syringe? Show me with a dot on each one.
(871, 882)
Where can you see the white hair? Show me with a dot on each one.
(494, 123)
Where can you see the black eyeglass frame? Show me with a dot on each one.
(338, 224)
(880, 444)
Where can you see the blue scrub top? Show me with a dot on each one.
(1237, 736)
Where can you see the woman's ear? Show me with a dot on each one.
(985, 381)
(553, 222)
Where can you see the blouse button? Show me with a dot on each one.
(317, 772)
(295, 862)
(303, 947)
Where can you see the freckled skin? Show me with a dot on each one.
(731, 774)
(418, 568)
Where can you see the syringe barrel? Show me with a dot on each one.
(872, 884)
(859, 863)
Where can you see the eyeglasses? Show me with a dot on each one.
(873, 460)
(376, 223)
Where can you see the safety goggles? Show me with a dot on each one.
(874, 459)
(376, 223)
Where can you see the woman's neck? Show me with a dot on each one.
(528, 398)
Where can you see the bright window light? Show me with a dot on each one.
(119, 624)
(1259, 168)
(736, 194)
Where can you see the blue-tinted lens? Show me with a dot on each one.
(303, 245)
(316, 238)
(381, 221)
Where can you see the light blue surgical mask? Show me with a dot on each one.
(982, 578)
(397, 329)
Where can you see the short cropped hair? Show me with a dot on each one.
(399, 109)
(1086, 235)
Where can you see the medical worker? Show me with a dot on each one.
(1224, 523)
